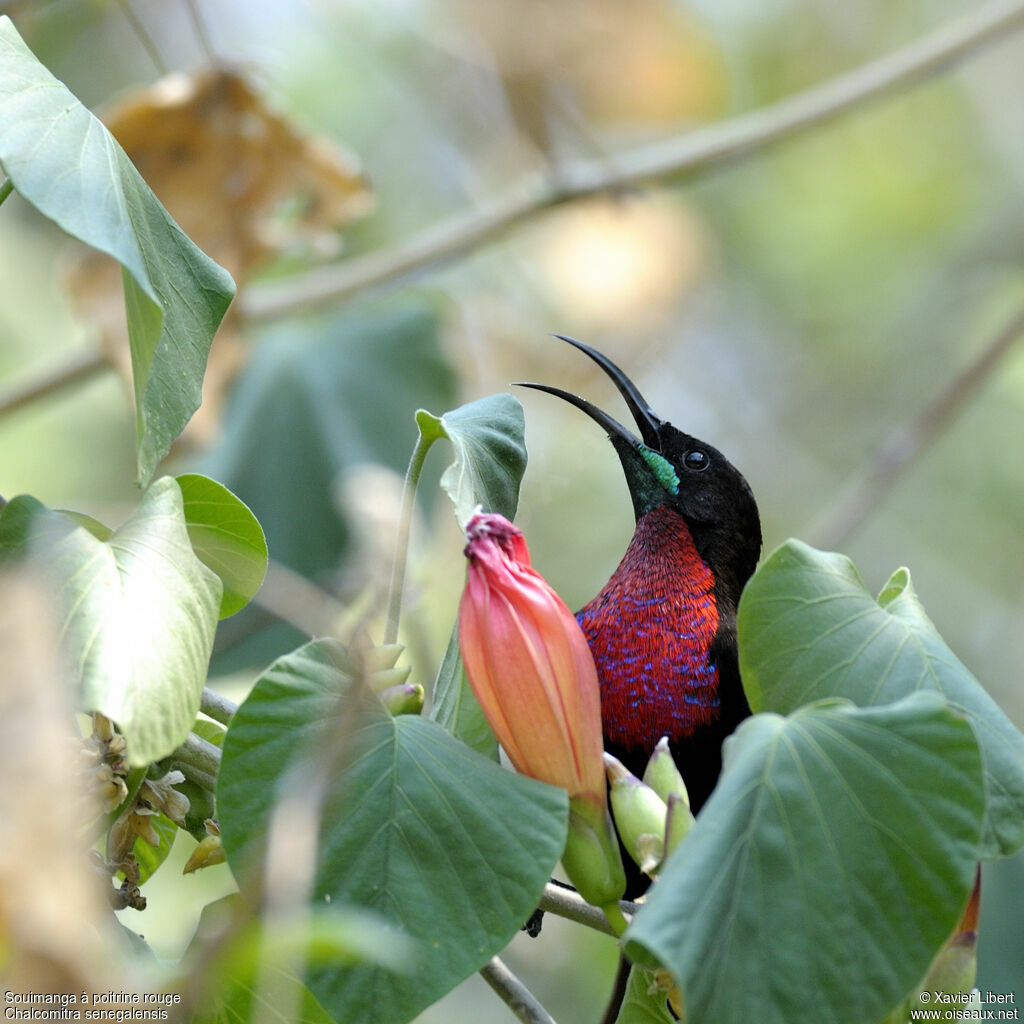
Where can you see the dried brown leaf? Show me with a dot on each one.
(242, 181)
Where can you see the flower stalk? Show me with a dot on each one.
(397, 585)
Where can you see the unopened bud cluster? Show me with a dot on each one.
(652, 815)
(155, 796)
(103, 760)
(107, 747)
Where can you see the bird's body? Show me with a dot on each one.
(652, 630)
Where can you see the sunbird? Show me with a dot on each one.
(662, 630)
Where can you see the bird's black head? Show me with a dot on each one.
(665, 466)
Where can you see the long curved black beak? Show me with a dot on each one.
(646, 421)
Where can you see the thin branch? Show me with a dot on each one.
(216, 706)
(397, 586)
(684, 155)
(6, 189)
(516, 996)
(910, 439)
(568, 903)
(77, 368)
(140, 30)
(202, 32)
(290, 597)
(199, 753)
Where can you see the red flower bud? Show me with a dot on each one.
(529, 664)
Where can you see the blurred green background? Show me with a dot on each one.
(796, 308)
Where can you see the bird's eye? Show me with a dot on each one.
(696, 460)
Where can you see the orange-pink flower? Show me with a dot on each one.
(529, 664)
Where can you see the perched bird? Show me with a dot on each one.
(663, 629)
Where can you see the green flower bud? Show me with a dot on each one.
(591, 858)
(209, 852)
(404, 699)
(662, 775)
(650, 851)
(678, 822)
(639, 815)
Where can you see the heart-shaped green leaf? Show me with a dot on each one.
(808, 630)
(226, 537)
(828, 867)
(490, 454)
(67, 165)
(443, 844)
(137, 612)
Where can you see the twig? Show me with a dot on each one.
(672, 158)
(140, 30)
(290, 597)
(199, 753)
(571, 905)
(202, 32)
(216, 706)
(77, 368)
(910, 439)
(516, 996)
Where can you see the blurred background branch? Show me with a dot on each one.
(51, 380)
(905, 444)
(688, 154)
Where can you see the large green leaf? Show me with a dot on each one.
(490, 453)
(226, 537)
(454, 705)
(808, 629)
(66, 164)
(137, 612)
(829, 865)
(447, 847)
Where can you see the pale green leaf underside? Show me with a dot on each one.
(63, 161)
(490, 454)
(136, 613)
